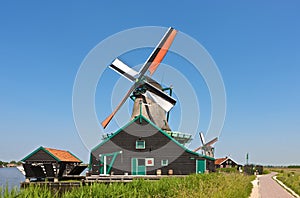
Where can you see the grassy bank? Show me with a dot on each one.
(207, 185)
(291, 178)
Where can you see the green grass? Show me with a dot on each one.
(291, 178)
(266, 171)
(207, 185)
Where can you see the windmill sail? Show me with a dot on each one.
(166, 105)
(151, 64)
(108, 119)
(206, 147)
(159, 52)
(123, 69)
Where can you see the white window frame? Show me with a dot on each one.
(164, 164)
(138, 147)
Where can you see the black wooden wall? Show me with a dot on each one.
(158, 146)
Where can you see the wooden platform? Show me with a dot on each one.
(126, 178)
(64, 185)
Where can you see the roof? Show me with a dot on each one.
(58, 155)
(64, 156)
(159, 129)
(222, 160)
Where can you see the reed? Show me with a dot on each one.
(291, 178)
(213, 185)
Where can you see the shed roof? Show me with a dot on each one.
(58, 155)
(220, 160)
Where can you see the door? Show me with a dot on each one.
(200, 166)
(138, 166)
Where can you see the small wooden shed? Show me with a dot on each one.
(51, 163)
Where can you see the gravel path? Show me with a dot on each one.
(268, 188)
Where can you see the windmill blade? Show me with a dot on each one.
(202, 138)
(165, 105)
(108, 119)
(121, 68)
(159, 52)
(197, 149)
(163, 48)
(161, 98)
(212, 142)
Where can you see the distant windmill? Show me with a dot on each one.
(207, 148)
(145, 90)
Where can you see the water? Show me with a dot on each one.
(11, 177)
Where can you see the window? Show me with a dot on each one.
(141, 162)
(140, 144)
(164, 162)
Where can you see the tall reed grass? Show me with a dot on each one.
(291, 178)
(206, 185)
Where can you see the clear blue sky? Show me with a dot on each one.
(255, 44)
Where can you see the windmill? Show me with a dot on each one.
(145, 90)
(207, 148)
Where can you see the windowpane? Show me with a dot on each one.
(164, 162)
(140, 144)
(141, 162)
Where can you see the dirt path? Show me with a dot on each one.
(268, 188)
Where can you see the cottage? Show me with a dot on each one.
(51, 163)
(142, 148)
(225, 162)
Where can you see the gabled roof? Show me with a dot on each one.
(222, 160)
(64, 156)
(58, 155)
(159, 129)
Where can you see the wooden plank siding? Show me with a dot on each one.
(158, 145)
(40, 156)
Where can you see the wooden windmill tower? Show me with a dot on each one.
(151, 106)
